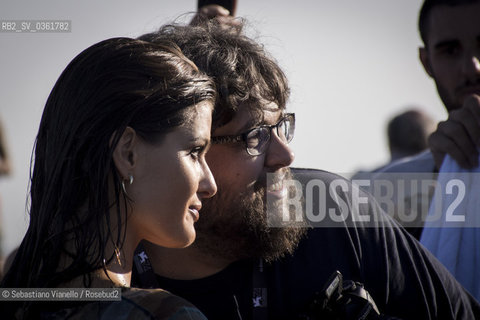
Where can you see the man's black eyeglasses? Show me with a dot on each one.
(257, 139)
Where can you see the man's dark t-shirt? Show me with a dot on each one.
(403, 278)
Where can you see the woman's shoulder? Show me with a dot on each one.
(154, 304)
(161, 304)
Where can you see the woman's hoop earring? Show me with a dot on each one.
(117, 255)
(130, 181)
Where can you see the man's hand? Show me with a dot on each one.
(459, 135)
(219, 13)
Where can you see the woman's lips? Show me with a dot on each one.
(195, 211)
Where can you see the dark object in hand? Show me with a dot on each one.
(230, 5)
(340, 300)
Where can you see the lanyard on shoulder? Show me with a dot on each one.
(146, 279)
(259, 296)
(145, 276)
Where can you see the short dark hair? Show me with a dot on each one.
(150, 87)
(408, 133)
(244, 73)
(427, 7)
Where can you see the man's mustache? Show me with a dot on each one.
(270, 178)
(469, 87)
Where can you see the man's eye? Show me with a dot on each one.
(450, 50)
(257, 137)
(253, 141)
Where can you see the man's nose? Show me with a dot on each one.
(279, 154)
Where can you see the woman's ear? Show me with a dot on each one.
(126, 152)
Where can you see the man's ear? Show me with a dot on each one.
(126, 153)
(423, 55)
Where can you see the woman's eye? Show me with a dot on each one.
(196, 152)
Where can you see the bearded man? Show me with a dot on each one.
(250, 259)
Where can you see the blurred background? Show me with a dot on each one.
(352, 65)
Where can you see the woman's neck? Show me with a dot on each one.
(183, 264)
(117, 271)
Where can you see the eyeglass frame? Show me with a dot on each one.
(242, 137)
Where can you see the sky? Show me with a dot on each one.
(352, 65)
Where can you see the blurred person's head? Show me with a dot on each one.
(119, 157)
(5, 162)
(450, 30)
(252, 92)
(408, 133)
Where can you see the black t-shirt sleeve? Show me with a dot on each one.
(413, 283)
(404, 279)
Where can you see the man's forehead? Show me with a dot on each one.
(247, 118)
(453, 23)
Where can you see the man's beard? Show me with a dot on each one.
(234, 226)
(456, 100)
(448, 100)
